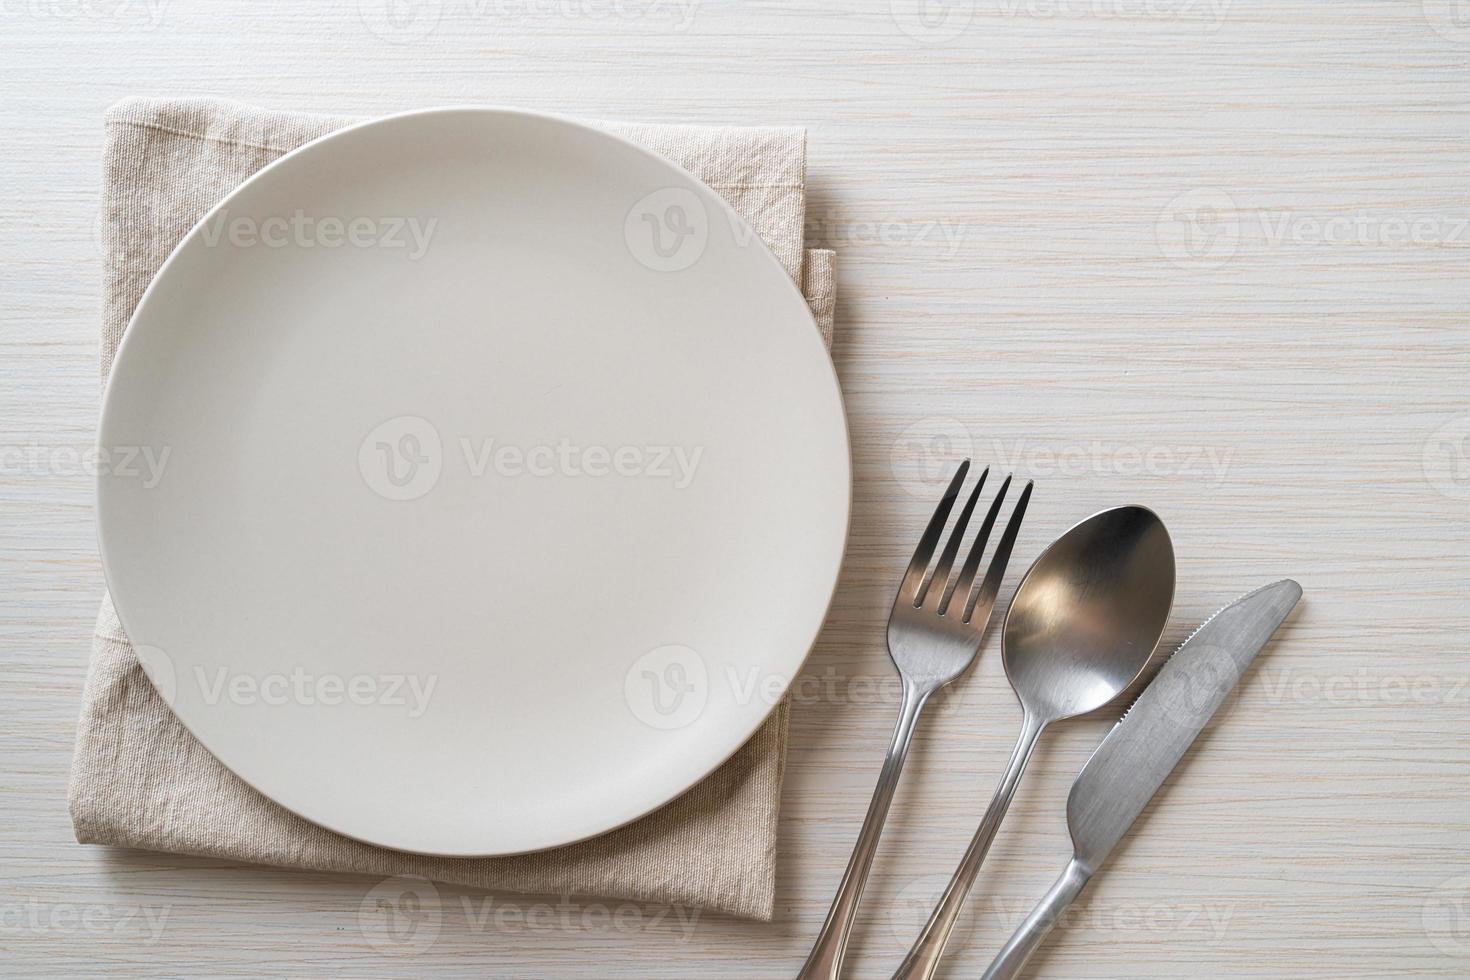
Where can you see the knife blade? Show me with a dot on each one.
(1137, 755)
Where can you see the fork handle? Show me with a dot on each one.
(825, 960)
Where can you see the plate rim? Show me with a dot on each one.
(107, 413)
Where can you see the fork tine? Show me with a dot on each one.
(966, 579)
(914, 577)
(984, 600)
(934, 599)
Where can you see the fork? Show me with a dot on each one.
(934, 633)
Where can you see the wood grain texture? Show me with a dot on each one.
(1205, 255)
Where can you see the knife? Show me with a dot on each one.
(1134, 759)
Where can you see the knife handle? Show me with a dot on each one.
(1027, 939)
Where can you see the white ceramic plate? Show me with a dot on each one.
(487, 521)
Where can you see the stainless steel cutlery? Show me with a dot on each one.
(934, 632)
(1135, 758)
(1082, 626)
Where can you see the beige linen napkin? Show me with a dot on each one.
(139, 779)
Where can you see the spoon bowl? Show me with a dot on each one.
(1089, 613)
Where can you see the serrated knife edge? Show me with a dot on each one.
(1128, 767)
(1207, 621)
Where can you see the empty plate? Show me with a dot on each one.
(499, 481)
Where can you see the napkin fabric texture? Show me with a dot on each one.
(139, 779)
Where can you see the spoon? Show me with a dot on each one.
(1083, 624)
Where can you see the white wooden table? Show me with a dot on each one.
(1208, 255)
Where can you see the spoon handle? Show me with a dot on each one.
(923, 959)
(825, 959)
